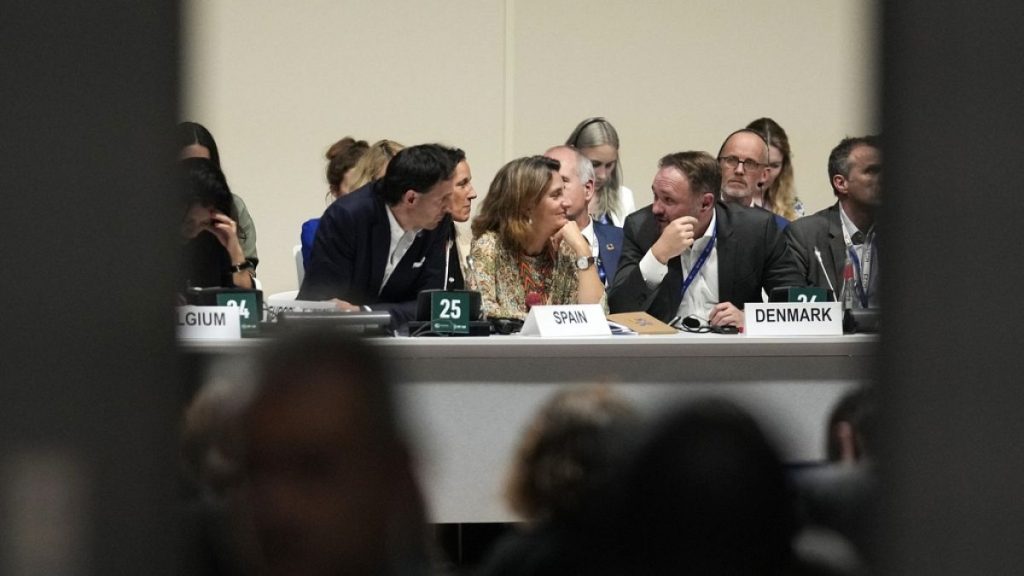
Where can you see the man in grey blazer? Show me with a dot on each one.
(822, 242)
(687, 254)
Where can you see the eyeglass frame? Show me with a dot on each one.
(734, 161)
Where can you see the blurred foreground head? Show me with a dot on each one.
(705, 493)
(330, 484)
(567, 451)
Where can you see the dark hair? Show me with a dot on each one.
(839, 158)
(856, 410)
(190, 133)
(700, 169)
(417, 168)
(705, 493)
(329, 355)
(341, 157)
(203, 183)
(567, 451)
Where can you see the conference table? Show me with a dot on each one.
(466, 400)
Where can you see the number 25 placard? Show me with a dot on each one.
(449, 312)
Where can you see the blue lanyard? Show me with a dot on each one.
(858, 282)
(601, 272)
(700, 263)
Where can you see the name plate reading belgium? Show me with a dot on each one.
(566, 321)
(209, 323)
(449, 312)
(794, 319)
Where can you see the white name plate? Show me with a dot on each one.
(794, 319)
(209, 323)
(563, 321)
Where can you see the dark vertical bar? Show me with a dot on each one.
(88, 404)
(952, 366)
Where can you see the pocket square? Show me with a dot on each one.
(420, 263)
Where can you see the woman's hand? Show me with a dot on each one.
(224, 228)
(571, 233)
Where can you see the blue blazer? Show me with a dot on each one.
(609, 245)
(351, 249)
(306, 238)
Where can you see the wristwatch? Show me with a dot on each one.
(245, 265)
(584, 262)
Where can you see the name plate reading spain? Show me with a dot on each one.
(209, 323)
(449, 312)
(794, 319)
(566, 321)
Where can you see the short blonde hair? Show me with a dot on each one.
(374, 162)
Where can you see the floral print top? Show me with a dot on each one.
(504, 277)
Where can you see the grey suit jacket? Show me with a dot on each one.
(752, 255)
(822, 230)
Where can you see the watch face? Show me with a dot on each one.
(583, 262)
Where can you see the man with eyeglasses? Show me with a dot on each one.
(841, 240)
(689, 255)
(744, 161)
(744, 158)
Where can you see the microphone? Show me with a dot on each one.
(447, 261)
(817, 254)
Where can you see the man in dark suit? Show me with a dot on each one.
(855, 171)
(605, 240)
(687, 254)
(379, 246)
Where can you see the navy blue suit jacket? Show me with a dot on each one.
(351, 249)
(609, 246)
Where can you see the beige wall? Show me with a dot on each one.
(277, 82)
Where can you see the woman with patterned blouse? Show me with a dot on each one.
(525, 251)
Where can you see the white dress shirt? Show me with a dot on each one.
(401, 240)
(591, 237)
(702, 294)
(866, 253)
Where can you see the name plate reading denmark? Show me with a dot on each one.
(566, 321)
(794, 319)
(449, 312)
(209, 323)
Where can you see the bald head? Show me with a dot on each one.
(743, 159)
(577, 174)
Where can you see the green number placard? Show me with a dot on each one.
(449, 312)
(248, 315)
(808, 295)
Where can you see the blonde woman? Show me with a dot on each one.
(371, 165)
(779, 193)
(597, 139)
